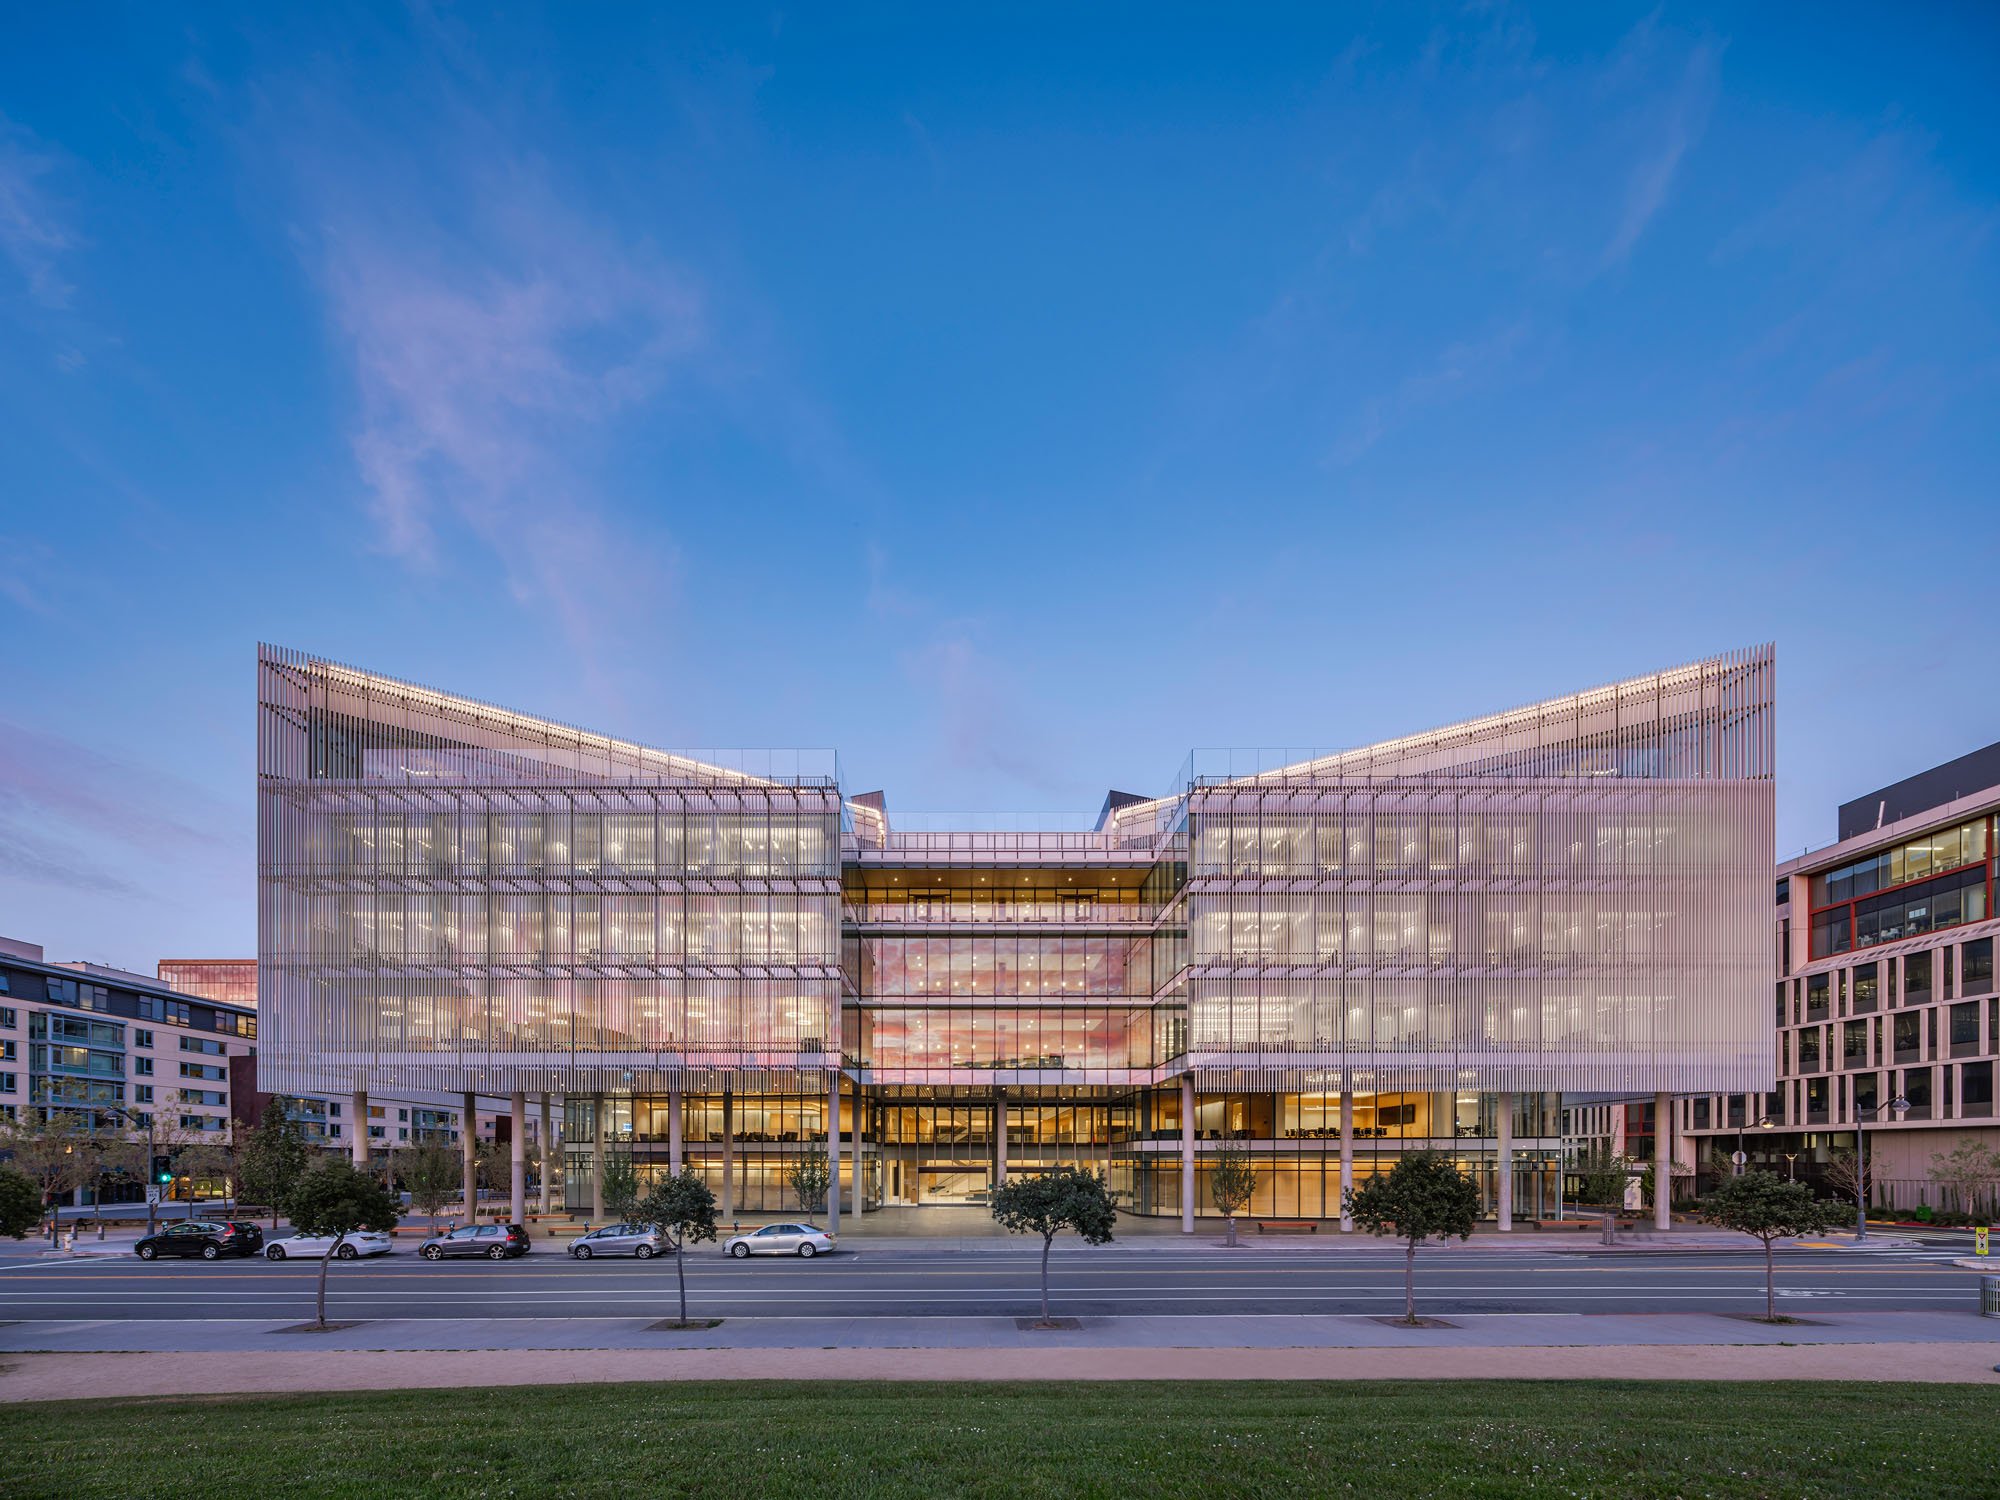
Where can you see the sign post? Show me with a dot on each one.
(1979, 1237)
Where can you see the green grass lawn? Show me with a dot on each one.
(1165, 1441)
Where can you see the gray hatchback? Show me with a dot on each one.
(642, 1240)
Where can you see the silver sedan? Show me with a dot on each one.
(642, 1240)
(801, 1240)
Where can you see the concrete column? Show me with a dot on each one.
(468, 1141)
(548, 1154)
(1346, 1156)
(728, 1155)
(1187, 1153)
(597, 1215)
(358, 1147)
(1503, 1181)
(518, 1199)
(1000, 1137)
(1663, 1160)
(833, 1154)
(674, 1142)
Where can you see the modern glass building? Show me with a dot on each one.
(1325, 960)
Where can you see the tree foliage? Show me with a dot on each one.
(621, 1184)
(681, 1206)
(432, 1173)
(1846, 1175)
(1423, 1197)
(51, 1148)
(1767, 1207)
(1601, 1175)
(1232, 1180)
(1969, 1171)
(810, 1179)
(20, 1204)
(1046, 1203)
(272, 1157)
(334, 1199)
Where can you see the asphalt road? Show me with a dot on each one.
(871, 1282)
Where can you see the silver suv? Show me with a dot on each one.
(642, 1240)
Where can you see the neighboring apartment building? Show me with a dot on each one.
(1325, 960)
(116, 1048)
(1885, 992)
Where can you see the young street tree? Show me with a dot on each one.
(1767, 1207)
(682, 1208)
(808, 1178)
(271, 1156)
(1046, 1203)
(20, 1204)
(1232, 1178)
(51, 1149)
(621, 1185)
(334, 1199)
(1968, 1171)
(1423, 1197)
(433, 1175)
(1601, 1176)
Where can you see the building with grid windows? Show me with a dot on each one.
(1886, 1014)
(724, 960)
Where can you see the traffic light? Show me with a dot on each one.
(162, 1170)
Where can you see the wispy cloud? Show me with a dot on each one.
(1678, 123)
(34, 236)
(70, 816)
(486, 374)
(984, 722)
(1460, 369)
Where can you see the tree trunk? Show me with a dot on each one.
(1770, 1285)
(1410, 1282)
(1047, 1240)
(680, 1275)
(324, 1261)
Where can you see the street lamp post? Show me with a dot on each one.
(1763, 1123)
(1900, 1107)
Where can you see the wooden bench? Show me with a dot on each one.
(1287, 1226)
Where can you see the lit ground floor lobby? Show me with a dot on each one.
(937, 1148)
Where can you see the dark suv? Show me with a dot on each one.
(494, 1241)
(211, 1239)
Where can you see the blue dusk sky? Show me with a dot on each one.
(1010, 399)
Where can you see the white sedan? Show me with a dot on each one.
(801, 1240)
(314, 1247)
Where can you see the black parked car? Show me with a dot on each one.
(494, 1241)
(211, 1239)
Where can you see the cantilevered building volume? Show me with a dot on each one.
(722, 961)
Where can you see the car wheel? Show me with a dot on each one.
(807, 1252)
(498, 1252)
(147, 1252)
(276, 1252)
(644, 1252)
(741, 1252)
(211, 1252)
(581, 1252)
(348, 1252)
(432, 1252)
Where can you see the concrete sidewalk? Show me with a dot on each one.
(1260, 1332)
(45, 1377)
